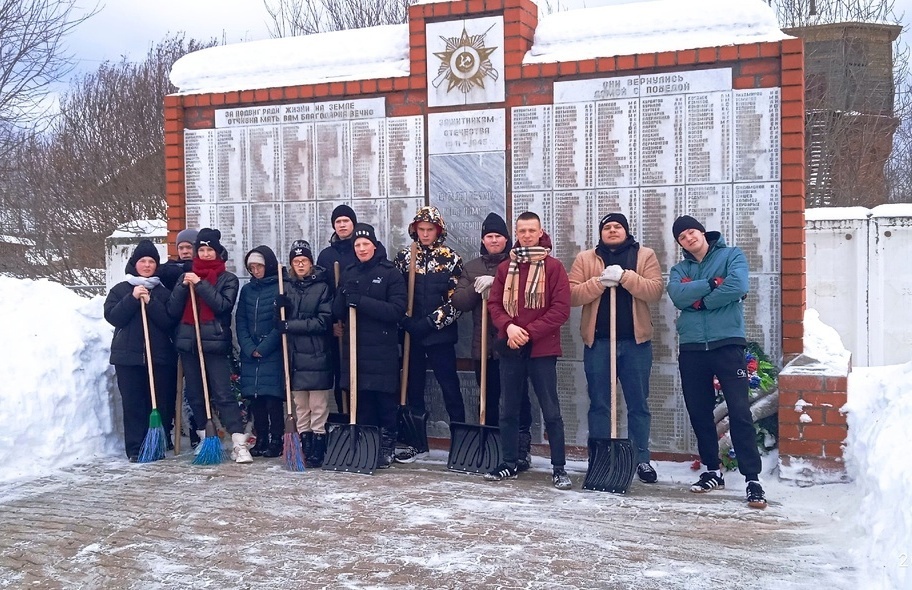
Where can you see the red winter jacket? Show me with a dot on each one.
(544, 324)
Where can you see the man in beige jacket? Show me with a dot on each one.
(618, 261)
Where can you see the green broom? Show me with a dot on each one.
(292, 454)
(153, 446)
(210, 452)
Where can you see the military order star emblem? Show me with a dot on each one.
(465, 63)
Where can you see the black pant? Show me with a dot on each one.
(268, 417)
(218, 372)
(727, 364)
(133, 383)
(492, 404)
(442, 360)
(514, 374)
(379, 408)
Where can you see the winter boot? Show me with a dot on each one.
(239, 452)
(200, 435)
(525, 447)
(259, 448)
(317, 451)
(387, 449)
(274, 448)
(307, 447)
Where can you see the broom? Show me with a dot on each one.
(210, 447)
(153, 446)
(292, 453)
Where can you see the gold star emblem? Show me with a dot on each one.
(465, 63)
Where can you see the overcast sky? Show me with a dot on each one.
(132, 27)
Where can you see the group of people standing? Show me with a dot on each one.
(526, 291)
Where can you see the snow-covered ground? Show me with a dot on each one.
(59, 408)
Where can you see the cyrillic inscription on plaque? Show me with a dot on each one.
(405, 156)
(265, 161)
(617, 142)
(333, 161)
(662, 140)
(298, 156)
(532, 135)
(574, 148)
(368, 155)
(199, 167)
(757, 135)
(709, 138)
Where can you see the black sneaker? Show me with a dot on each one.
(561, 479)
(755, 496)
(502, 471)
(384, 460)
(407, 455)
(646, 473)
(709, 481)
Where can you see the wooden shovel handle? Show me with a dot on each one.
(145, 323)
(199, 350)
(285, 345)
(353, 363)
(407, 341)
(338, 272)
(613, 327)
(483, 396)
(179, 409)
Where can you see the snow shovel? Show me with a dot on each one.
(339, 417)
(292, 454)
(475, 448)
(352, 447)
(612, 462)
(412, 429)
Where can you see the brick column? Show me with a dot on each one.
(812, 427)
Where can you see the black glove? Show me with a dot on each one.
(352, 292)
(282, 300)
(418, 327)
(281, 326)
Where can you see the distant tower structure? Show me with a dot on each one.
(849, 106)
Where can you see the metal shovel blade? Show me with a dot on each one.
(612, 464)
(413, 428)
(353, 448)
(474, 448)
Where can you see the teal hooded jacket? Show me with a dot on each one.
(720, 319)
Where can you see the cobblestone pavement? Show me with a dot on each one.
(174, 525)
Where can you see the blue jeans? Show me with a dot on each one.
(542, 371)
(634, 364)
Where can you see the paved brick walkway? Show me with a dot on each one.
(174, 525)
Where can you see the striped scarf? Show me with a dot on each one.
(535, 281)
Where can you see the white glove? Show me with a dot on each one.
(483, 284)
(608, 283)
(613, 272)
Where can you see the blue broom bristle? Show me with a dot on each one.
(292, 454)
(153, 446)
(210, 452)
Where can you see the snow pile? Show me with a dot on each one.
(879, 414)
(823, 344)
(357, 54)
(58, 401)
(650, 27)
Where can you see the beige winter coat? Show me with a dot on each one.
(645, 285)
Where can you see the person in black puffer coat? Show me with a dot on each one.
(216, 292)
(432, 325)
(262, 369)
(377, 292)
(122, 309)
(308, 319)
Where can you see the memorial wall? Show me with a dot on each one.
(716, 133)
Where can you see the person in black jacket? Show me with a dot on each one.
(376, 289)
(308, 317)
(432, 324)
(262, 368)
(122, 309)
(341, 250)
(216, 292)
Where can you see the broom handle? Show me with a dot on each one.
(179, 408)
(483, 397)
(613, 326)
(285, 345)
(199, 350)
(145, 322)
(338, 273)
(407, 341)
(353, 363)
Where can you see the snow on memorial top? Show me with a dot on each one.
(383, 51)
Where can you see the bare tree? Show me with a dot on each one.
(101, 165)
(291, 18)
(801, 13)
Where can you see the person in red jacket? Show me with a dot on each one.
(529, 302)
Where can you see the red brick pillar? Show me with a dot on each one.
(812, 426)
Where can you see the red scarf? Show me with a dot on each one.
(207, 270)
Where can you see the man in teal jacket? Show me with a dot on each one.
(708, 286)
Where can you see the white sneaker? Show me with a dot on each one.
(239, 452)
(199, 447)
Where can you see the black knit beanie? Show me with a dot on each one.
(495, 224)
(683, 223)
(210, 237)
(143, 249)
(617, 218)
(363, 230)
(344, 211)
(300, 248)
